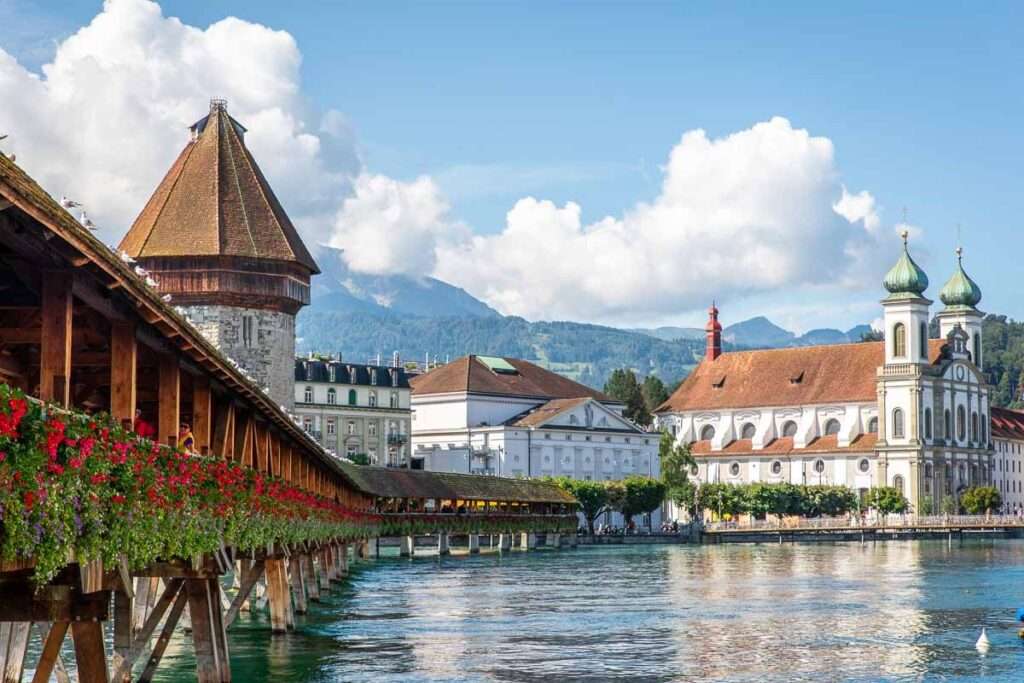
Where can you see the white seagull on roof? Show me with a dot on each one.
(68, 203)
(86, 221)
(126, 258)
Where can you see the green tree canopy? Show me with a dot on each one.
(623, 386)
(654, 393)
(886, 500)
(979, 499)
(640, 496)
(591, 495)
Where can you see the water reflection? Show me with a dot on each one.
(888, 611)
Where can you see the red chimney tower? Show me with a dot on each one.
(714, 335)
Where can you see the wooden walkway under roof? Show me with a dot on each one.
(80, 329)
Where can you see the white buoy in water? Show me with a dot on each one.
(983, 645)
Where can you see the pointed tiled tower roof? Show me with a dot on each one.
(215, 202)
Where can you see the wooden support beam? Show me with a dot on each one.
(169, 399)
(90, 652)
(145, 597)
(19, 602)
(309, 574)
(298, 581)
(123, 364)
(49, 659)
(145, 630)
(55, 342)
(260, 456)
(122, 636)
(281, 618)
(13, 644)
(224, 432)
(249, 580)
(165, 636)
(208, 638)
(202, 412)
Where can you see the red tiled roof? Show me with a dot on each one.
(1007, 424)
(469, 374)
(784, 446)
(836, 373)
(215, 201)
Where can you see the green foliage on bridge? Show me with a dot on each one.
(981, 499)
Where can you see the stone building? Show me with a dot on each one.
(909, 412)
(510, 418)
(218, 241)
(1008, 459)
(355, 409)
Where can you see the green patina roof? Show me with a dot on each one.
(961, 292)
(386, 482)
(905, 279)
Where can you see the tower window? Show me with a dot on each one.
(248, 331)
(899, 340)
(924, 341)
(897, 424)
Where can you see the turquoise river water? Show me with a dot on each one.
(897, 611)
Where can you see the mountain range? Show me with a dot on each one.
(366, 317)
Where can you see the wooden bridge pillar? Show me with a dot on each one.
(309, 574)
(504, 543)
(13, 644)
(407, 546)
(343, 560)
(213, 664)
(442, 543)
(326, 569)
(90, 651)
(529, 541)
(473, 541)
(298, 582)
(281, 618)
(55, 348)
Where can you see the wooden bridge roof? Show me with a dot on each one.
(401, 483)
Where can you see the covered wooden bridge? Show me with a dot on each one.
(108, 522)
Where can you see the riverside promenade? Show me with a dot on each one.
(894, 527)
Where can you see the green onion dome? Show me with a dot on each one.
(905, 279)
(961, 291)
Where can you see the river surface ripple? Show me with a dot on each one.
(894, 611)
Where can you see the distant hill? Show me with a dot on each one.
(759, 333)
(338, 289)
(669, 333)
(586, 353)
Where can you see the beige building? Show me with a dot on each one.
(355, 409)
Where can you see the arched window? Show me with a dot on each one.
(899, 340)
(897, 424)
(974, 426)
(777, 467)
(873, 425)
(307, 395)
(819, 466)
(897, 483)
(332, 396)
(947, 432)
(977, 349)
(864, 465)
(789, 428)
(984, 431)
(734, 469)
(747, 431)
(351, 397)
(961, 423)
(707, 433)
(928, 423)
(924, 341)
(832, 427)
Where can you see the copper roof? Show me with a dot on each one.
(805, 375)
(215, 201)
(470, 374)
(384, 482)
(783, 446)
(1007, 424)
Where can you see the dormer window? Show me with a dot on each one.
(797, 378)
(832, 427)
(789, 429)
(718, 382)
(707, 433)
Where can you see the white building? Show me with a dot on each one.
(908, 412)
(355, 409)
(1008, 461)
(508, 417)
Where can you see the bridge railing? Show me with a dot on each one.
(893, 521)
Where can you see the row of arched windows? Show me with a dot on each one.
(789, 428)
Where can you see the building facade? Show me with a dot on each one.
(1008, 458)
(354, 409)
(219, 243)
(908, 412)
(510, 418)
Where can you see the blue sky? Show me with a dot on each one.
(583, 102)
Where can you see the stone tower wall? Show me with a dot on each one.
(268, 355)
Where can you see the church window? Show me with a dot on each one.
(928, 423)
(897, 483)
(789, 428)
(332, 396)
(984, 431)
(307, 395)
(832, 427)
(748, 430)
(873, 425)
(864, 465)
(974, 426)
(924, 341)
(351, 397)
(707, 433)
(777, 467)
(899, 340)
(961, 423)
(897, 424)
(734, 469)
(948, 425)
(819, 466)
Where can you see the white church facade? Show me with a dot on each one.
(908, 412)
